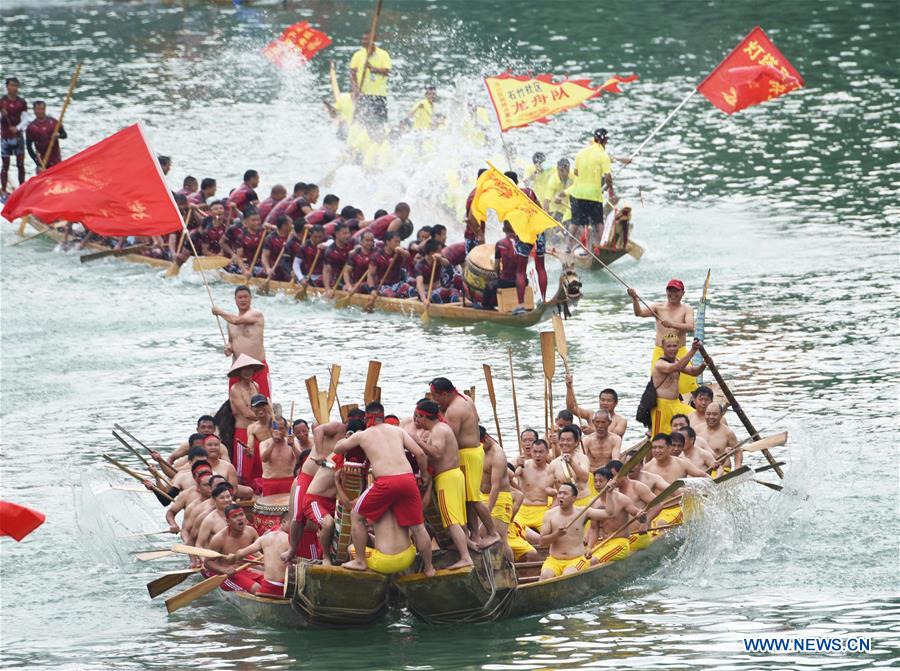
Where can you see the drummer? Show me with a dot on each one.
(505, 264)
(278, 458)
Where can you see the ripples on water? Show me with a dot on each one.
(792, 204)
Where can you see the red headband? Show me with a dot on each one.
(235, 511)
(371, 417)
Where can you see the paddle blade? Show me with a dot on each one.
(342, 302)
(191, 594)
(180, 548)
(489, 381)
(371, 380)
(207, 263)
(769, 467)
(548, 353)
(18, 521)
(770, 485)
(642, 448)
(562, 345)
(167, 581)
(173, 270)
(777, 440)
(665, 494)
(635, 250)
(334, 378)
(733, 474)
(156, 554)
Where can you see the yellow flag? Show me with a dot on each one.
(495, 191)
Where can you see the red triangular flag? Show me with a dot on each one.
(18, 521)
(114, 187)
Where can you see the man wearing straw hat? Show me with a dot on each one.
(240, 394)
(245, 337)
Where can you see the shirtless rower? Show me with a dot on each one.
(609, 399)
(240, 396)
(527, 440)
(672, 318)
(200, 471)
(721, 439)
(619, 507)
(181, 478)
(195, 511)
(258, 431)
(495, 489)
(677, 443)
(271, 544)
(394, 488)
(601, 446)
(205, 426)
(460, 413)
(438, 441)
(278, 457)
(571, 465)
(680, 421)
(214, 521)
(245, 336)
(698, 456)
(654, 482)
(667, 466)
(536, 479)
(214, 451)
(566, 541)
(301, 434)
(640, 494)
(235, 535)
(703, 396)
(665, 376)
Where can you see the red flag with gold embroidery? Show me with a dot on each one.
(114, 187)
(522, 100)
(298, 41)
(751, 74)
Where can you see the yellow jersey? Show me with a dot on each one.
(591, 164)
(537, 180)
(558, 198)
(422, 114)
(375, 85)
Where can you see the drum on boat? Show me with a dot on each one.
(267, 511)
(478, 271)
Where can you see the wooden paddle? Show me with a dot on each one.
(663, 495)
(312, 390)
(168, 580)
(153, 555)
(85, 258)
(370, 394)
(164, 465)
(732, 474)
(143, 534)
(512, 382)
(371, 304)
(202, 263)
(489, 381)
(776, 440)
(562, 346)
(634, 460)
(259, 247)
(766, 467)
(206, 553)
(191, 594)
(136, 476)
(62, 114)
(263, 289)
(41, 232)
(425, 316)
(736, 406)
(770, 485)
(548, 358)
(344, 301)
(334, 377)
(150, 467)
(304, 284)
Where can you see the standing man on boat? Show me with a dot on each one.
(593, 172)
(13, 120)
(38, 136)
(665, 377)
(495, 489)
(460, 413)
(672, 317)
(601, 446)
(370, 67)
(245, 336)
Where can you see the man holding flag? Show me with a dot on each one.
(593, 172)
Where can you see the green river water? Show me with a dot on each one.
(791, 204)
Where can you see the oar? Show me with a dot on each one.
(334, 377)
(345, 300)
(743, 470)
(205, 553)
(43, 231)
(154, 554)
(776, 440)
(263, 289)
(767, 467)
(174, 268)
(770, 485)
(137, 477)
(168, 580)
(146, 533)
(663, 495)
(312, 390)
(191, 594)
(84, 258)
(304, 285)
(259, 247)
(371, 304)
(735, 405)
(512, 381)
(489, 381)
(635, 459)
(426, 318)
(150, 467)
(121, 428)
(562, 346)
(62, 115)
(548, 358)
(370, 392)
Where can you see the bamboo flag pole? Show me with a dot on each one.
(62, 114)
(203, 275)
(369, 46)
(659, 127)
(512, 381)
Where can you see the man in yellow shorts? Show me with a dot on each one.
(563, 532)
(393, 551)
(438, 442)
(665, 375)
(536, 479)
(495, 489)
(670, 468)
(616, 508)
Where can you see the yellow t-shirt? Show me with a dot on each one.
(538, 181)
(375, 85)
(591, 164)
(555, 188)
(344, 107)
(422, 114)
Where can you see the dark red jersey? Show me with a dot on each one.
(13, 117)
(39, 132)
(505, 252)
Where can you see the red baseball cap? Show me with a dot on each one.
(675, 284)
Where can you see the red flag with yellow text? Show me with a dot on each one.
(114, 187)
(522, 100)
(296, 41)
(751, 74)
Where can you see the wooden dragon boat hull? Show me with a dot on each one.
(330, 596)
(277, 612)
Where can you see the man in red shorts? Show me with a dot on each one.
(245, 336)
(278, 456)
(271, 544)
(234, 536)
(395, 489)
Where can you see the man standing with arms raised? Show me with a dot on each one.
(459, 412)
(245, 336)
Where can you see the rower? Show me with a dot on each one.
(680, 421)
(369, 71)
(422, 113)
(618, 507)
(276, 195)
(394, 488)
(305, 255)
(214, 520)
(278, 457)
(335, 256)
(460, 413)
(244, 195)
(214, 452)
(258, 431)
(536, 478)
(209, 236)
(665, 377)
(246, 331)
(271, 251)
(392, 284)
(527, 439)
(324, 214)
(495, 489)
(39, 134)
(565, 540)
(196, 510)
(601, 446)
(677, 443)
(206, 425)
(207, 190)
(189, 185)
(572, 466)
(200, 472)
(700, 457)
(721, 439)
(654, 482)
(358, 262)
(397, 221)
(271, 544)
(703, 396)
(672, 318)
(438, 441)
(593, 172)
(668, 466)
(639, 493)
(233, 537)
(247, 240)
(442, 290)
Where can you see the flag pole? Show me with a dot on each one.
(659, 127)
(61, 115)
(203, 275)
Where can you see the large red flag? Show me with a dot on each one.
(298, 40)
(18, 521)
(753, 73)
(114, 187)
